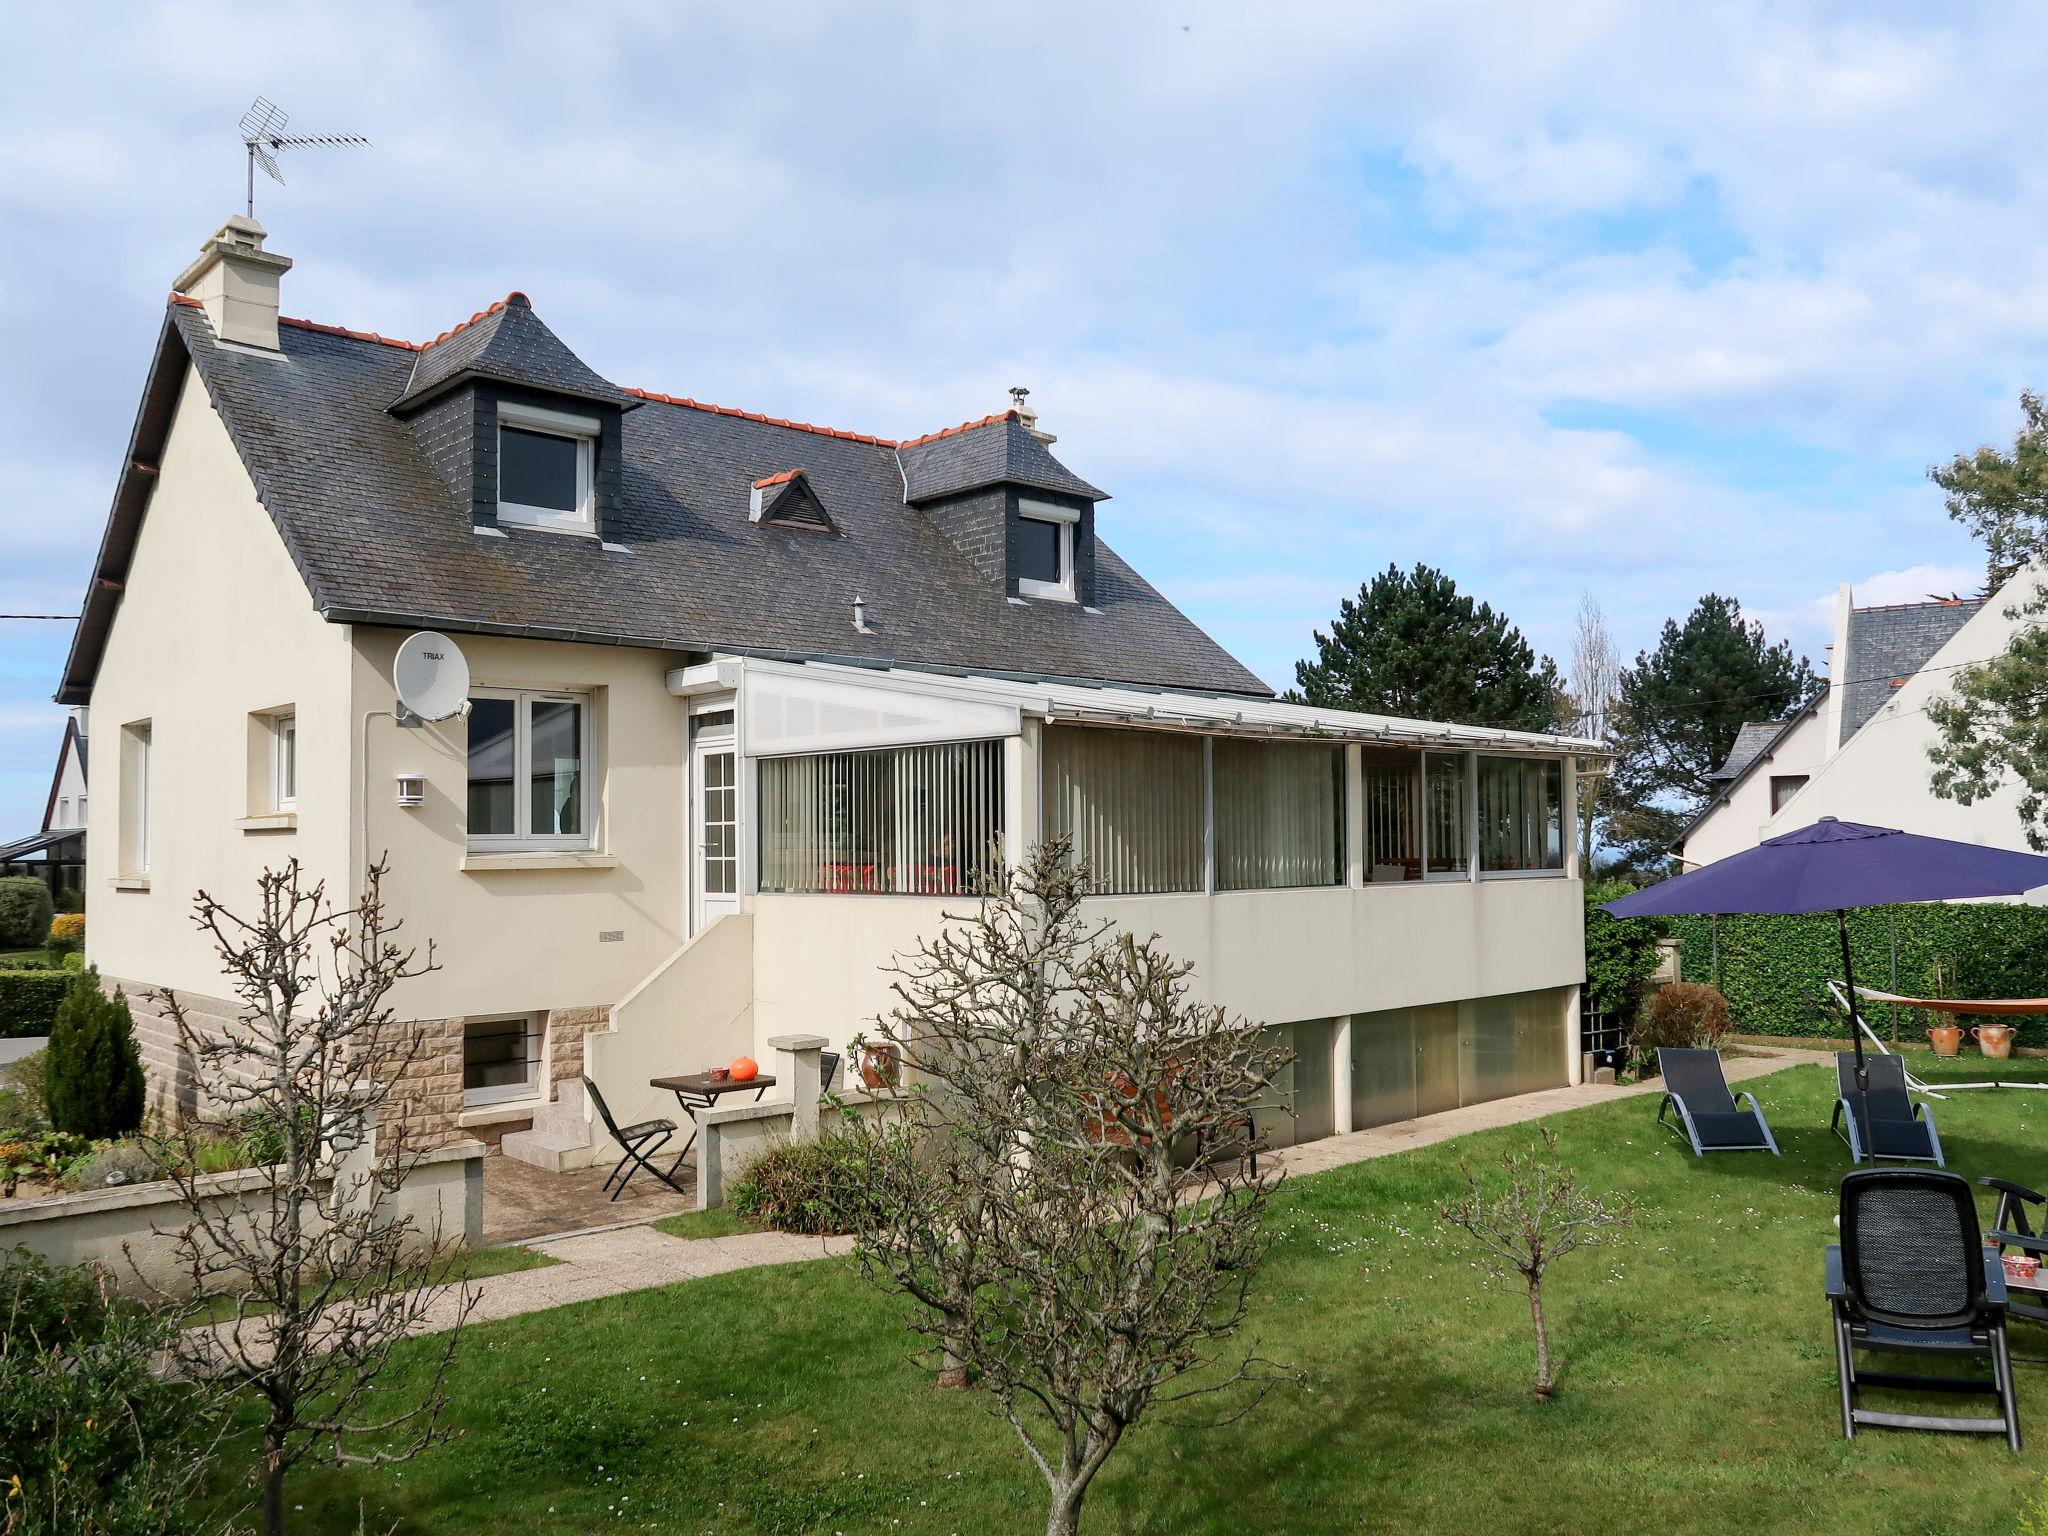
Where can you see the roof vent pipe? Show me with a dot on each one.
(860, 616)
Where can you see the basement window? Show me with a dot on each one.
(500, 1060)
(544, 468)
(1045, 550)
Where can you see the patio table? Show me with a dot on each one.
(700, 1090)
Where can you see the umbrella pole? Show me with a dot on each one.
(1855, 1019)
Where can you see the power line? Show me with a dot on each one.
(67, 618)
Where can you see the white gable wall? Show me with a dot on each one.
(1737, 822)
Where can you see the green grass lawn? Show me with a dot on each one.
(469, 1264)
(1698, 1391)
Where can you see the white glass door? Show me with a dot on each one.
(714, 822)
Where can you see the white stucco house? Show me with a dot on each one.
(55, 852)
(751, 699)
(1858, 749)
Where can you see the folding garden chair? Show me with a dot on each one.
(1912, 1277)
(2011, 1228)
(1883, 1123)
(1709, 1116)
(639, 1140)
(828, 1070)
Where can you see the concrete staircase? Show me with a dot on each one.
(561, 1130)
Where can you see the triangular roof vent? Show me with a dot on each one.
(788, 500)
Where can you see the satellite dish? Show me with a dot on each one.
(431, 676)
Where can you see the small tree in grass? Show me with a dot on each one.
(322, 1279)
(94, 1085)
(1030, 1199)
(1540, 1216)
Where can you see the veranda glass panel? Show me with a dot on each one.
(904, 820)
(1132, 801)
(1391, 790)
(1521, 814)
(1443, 795)
(1279, 815)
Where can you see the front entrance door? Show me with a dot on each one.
(714, 820)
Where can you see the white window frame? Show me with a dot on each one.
(1066, 519)
(508, 1093)
(142, 735)
(63, 811)
(581, 430)
(284, 761)
(522, 839)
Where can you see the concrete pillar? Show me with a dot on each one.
(1340, 1072)
(1575, 1066)
(798, 1070)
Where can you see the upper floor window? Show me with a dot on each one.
(1045, 550)
(64, 812)
(925, 820)
(1521, 815)
(1783, 787)
(544, 468)
(528, 759)
(137, 770)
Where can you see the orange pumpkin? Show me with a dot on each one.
(745, 1069)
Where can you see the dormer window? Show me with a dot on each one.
(544, 468)
(1045, 550)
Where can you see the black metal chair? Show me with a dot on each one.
(1911, 1276)
(1885, 1123)
(1709, 1116)
(2011, 1228)
(640, 1141)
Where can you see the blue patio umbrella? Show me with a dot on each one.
(1832, 866)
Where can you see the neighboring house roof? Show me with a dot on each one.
(1888, 645)
(1753, 738)
(1754, 745)
(73, 745)
(379, 537)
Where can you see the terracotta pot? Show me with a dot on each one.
(1947, 1038)
(881, 1066)
(1994, 1040)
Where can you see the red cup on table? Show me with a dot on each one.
(2022, 1267)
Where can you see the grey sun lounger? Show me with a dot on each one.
(1709, 1117)
(1883, 1124)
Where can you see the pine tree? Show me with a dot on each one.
(1411, 644)
(1679, 710)
(94, 1084)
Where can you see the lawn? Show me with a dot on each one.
(1698, 1393)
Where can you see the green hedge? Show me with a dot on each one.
(29, 999)
(1773, 969)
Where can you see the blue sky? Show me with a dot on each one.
(1563, 297)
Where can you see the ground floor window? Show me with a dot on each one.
(501, 1059)
(924, 820)
(529, 754)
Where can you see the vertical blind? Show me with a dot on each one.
(1279, 814)
(1132, 801)
(1391, 791)
(905, 820)
(1443, 795)
(1521, 814)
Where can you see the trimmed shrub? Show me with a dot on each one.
(25, 912)
(29, 1000)
(811, 1186)
(95, 1072)
(67, 933)
(1772, 969)
(1686, 1013)
(21, 1097)
(71, 901)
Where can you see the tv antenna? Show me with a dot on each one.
(264, 137)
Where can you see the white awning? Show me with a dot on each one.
(796, 707)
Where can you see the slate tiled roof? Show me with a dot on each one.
(995, 451)
(380, 538)
(1888, 645)
(507, 342)
(1754, 736)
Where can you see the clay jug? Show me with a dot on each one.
(1994, 1040)
(1947, 1038)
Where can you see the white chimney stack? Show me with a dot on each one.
(235, 279)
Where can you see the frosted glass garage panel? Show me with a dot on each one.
(1511, 1044)
(1407, 1062)
(1315, 1081)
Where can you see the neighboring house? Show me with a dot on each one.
(753, 703)
(1858, 749)
(55, 853)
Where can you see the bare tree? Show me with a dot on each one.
(1595, 687)
(1540, 1216)
(322, 1277)
(1030, 1198)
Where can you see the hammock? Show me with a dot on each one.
(1997, 1006)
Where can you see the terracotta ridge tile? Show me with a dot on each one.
(781, 479)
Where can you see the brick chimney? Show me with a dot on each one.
(236, 280)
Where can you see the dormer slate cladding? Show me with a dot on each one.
(972, 485)
(459, 432)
